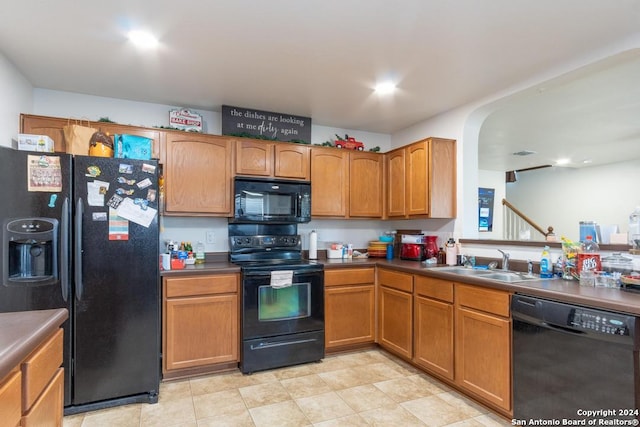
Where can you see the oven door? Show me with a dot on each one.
(269, 311)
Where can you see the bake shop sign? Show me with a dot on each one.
(185, 120)
(259, 124)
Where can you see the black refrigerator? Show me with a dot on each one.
(81, 233)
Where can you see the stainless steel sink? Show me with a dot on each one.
(499, 275)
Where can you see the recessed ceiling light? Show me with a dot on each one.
(385, 88)
(563, 161)
(142, 38)
(587, 161)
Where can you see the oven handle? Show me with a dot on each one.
(268, 273)
(265, 345)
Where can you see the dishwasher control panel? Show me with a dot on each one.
(600, 321)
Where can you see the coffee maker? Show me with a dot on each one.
(412, 247)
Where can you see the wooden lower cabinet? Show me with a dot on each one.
(33, 393)
(433, 329)
(395, 312)
(349, 307)
(200, 324)
(483, 344)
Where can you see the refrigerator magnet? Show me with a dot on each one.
(125, 168)
(52, 200)
(115, 201)
(144, 183)
(123, 180)
(151, 195)
(148, 168)
(99, 216)
(93, 171)
(123, 192)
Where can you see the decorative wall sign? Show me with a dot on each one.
(185, 120)
(244, 122)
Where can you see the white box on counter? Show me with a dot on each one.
(29, 142)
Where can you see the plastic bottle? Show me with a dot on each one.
(634, 227)
(589, 256)
(546, 266)
(313, 245)
(390, 251)
(200, 253)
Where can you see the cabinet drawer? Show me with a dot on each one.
(488, 300)
(11, 408)
(39, 368)
(396, 280)
(434, 288)
(47, 411)
(201, 285)
(352, 276)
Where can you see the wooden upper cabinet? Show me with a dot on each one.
(269, 159)
(197, 174)
(366, 185)
(292, 161)
(53, 127)
(426, 186)
(396, 192)
(346, 183)
(329, 182)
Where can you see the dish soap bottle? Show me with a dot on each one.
(200, 253)
(546, 266)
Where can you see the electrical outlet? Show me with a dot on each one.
(211, 238)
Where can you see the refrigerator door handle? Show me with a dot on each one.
(64, 249)
(78, 249)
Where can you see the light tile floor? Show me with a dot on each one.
(354, 389)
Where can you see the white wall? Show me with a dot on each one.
(562, 197)
(74, 105)
(464, 123)
(17, 97)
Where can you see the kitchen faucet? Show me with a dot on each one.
(505, 259)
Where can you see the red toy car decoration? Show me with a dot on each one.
(350, 143)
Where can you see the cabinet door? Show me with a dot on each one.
(197, 174)
(417, 179)
(433, 336)
(329, 182)
(365, 183)
(483, 356)
(396, 183)
(292, 161)
(442, 179)
(349, 315)
(47, 410)
(254, 158)
(395, 313)
(201, 331)
(10, 396)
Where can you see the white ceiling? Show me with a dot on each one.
(315, 58)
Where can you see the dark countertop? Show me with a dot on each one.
(555, 289)
(22, 332)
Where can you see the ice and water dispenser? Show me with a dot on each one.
(30, 251)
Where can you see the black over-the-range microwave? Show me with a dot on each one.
(271, 201)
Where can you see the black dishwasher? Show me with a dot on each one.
(573, 363)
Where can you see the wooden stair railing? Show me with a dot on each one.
(515, 220)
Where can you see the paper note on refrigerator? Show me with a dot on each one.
(134, 212)
(96, 191)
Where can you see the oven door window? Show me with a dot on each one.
(292, 302)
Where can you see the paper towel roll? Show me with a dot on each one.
(313, 245)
